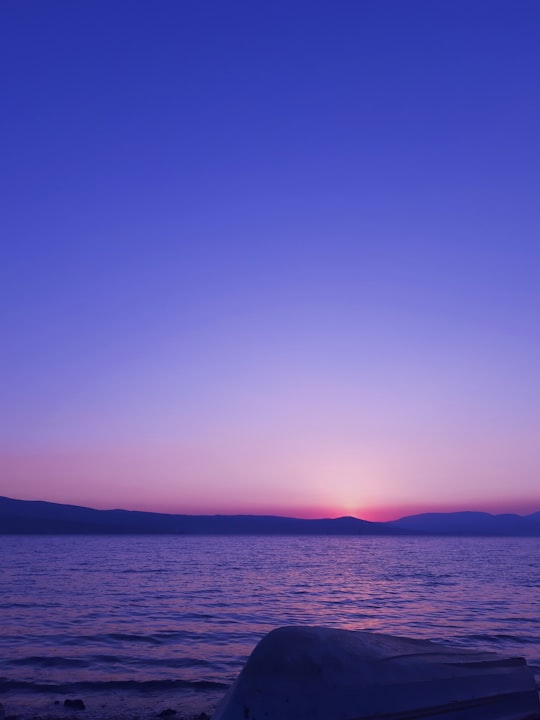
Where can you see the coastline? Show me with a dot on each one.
(111, 706)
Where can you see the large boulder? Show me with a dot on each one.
(316, 673)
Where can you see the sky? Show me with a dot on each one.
(271, 257)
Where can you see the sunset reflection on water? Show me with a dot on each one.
(162, 609)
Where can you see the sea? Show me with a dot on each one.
(135, 626)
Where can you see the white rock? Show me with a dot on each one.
(315, 673)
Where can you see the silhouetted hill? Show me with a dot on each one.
(470, 523)
(22, 517)
(36, 517)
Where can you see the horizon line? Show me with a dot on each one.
(272, 514)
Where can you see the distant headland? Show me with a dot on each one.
(23, 517)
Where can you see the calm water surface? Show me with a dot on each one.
(89, 614)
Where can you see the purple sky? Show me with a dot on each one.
(271, 256)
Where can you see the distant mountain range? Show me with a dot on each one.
(470, 523)
(18, 517)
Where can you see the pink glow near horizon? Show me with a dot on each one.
(374, 514)
(147, 482)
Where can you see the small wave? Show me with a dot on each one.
(515, 638)
(45, 661)
(12, 605)
(7, 685)
(199, 616)
(174, 635)
(136, 571)
(25, 605)
(151, 639)
(501, 637)
(186, 662)
(110, 639)
(113, 659)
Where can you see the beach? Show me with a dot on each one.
(110, 706)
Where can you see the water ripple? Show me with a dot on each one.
(89, 612)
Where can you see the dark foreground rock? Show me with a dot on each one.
(314, 673)
(75, 704)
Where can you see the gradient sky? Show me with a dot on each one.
(275, 257)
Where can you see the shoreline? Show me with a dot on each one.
(181, 705)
